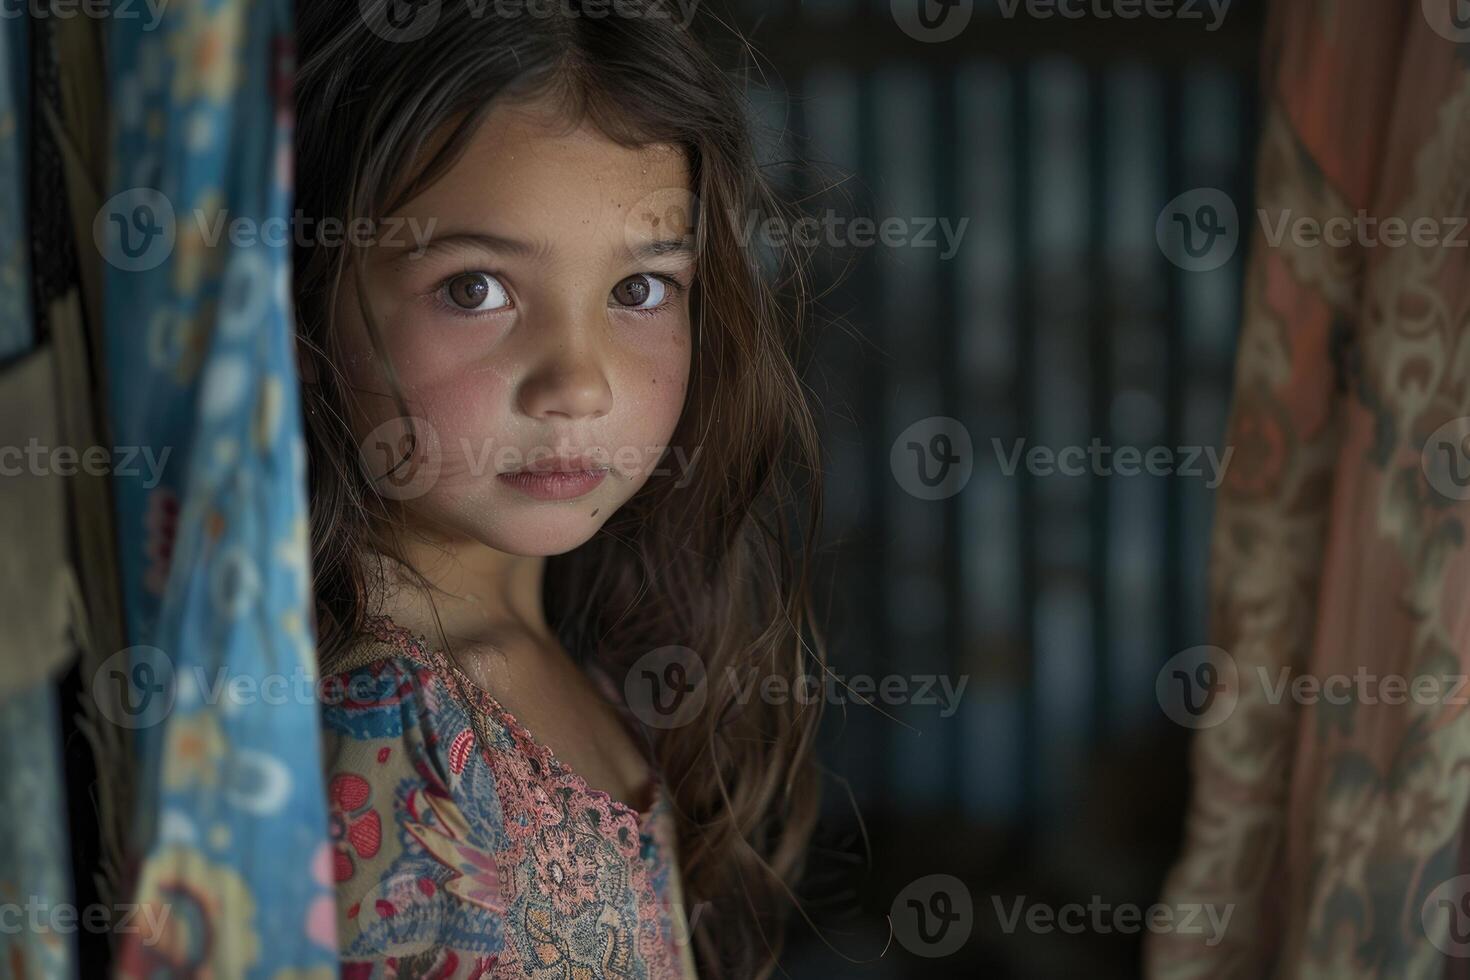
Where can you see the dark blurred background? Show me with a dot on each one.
(1057, 320)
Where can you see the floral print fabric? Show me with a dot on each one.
(228, 845)
(464, 849)
(1335, 826)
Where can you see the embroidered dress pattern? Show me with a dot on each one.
(463, 848)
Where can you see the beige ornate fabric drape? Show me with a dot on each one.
(1333, 821)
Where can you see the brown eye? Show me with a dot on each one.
(639, 292)
(477, 292)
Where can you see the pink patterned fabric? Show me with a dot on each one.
(465, 849)
(1334, 826)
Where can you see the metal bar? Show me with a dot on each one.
(1026, 396)
(1172, 595)
(943, 151)
(1100, 350)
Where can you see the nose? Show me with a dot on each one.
(569, 380)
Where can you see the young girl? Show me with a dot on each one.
(552, 419)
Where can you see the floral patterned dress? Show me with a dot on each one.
(465, 849)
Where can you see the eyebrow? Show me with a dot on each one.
(655, 248)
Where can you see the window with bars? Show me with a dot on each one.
(1056, 321)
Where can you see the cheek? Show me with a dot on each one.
(470, 411)
(656, 384)
(440, 371)
(653, 395)
(462, 397)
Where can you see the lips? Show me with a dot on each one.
(557, 477)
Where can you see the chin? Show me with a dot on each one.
(542, 529)
(556, 538)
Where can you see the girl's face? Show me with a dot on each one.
(535, 304)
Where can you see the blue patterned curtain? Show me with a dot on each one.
(229, 843)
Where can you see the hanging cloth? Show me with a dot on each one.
(228, 851)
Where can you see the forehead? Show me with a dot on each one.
(527, 172)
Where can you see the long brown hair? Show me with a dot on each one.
(715, 559)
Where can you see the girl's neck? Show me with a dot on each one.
(480, 595)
